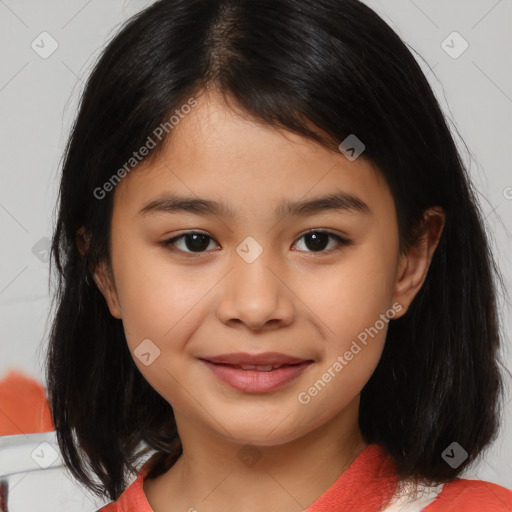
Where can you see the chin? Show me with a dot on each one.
(263, 433)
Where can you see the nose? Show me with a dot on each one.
(256, 294)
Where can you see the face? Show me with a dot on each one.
(276, 269)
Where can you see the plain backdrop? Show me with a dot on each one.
(38, 101)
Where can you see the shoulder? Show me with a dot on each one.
(133, 498)
(472, 496)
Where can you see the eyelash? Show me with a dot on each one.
(340, 241)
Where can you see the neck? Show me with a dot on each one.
(213, 470)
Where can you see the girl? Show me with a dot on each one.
(199, 318)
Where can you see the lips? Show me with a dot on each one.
(256, 373)
(257, 367)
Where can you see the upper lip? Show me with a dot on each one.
(265, 358)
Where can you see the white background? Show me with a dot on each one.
(38, 100)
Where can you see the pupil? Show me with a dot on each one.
(199, 242)
(319, 241)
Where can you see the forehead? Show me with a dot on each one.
(217, 153)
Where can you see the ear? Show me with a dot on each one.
(105, 282)
(82, 239)
(413, 266)
(102, 275)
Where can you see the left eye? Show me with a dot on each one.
(317, 240)
(195, 242)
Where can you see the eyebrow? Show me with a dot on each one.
(335, 202)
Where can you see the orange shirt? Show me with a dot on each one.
(367, 485)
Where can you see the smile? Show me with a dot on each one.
(256, 378)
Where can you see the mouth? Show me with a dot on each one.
(259, 368)
(264, 359)
(256, 373)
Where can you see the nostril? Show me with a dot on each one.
(3, 495)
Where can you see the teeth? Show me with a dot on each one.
(260, 368)
(266, 368)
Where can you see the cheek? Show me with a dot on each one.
(161, 307)
(156, 297)
(353, 304)
(351, 296)
(348, 362)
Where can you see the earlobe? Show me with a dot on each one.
(413, 266)
(101, 276)
(103, 281)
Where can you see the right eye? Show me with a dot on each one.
(191, 242)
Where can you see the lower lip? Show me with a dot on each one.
(254, 381)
